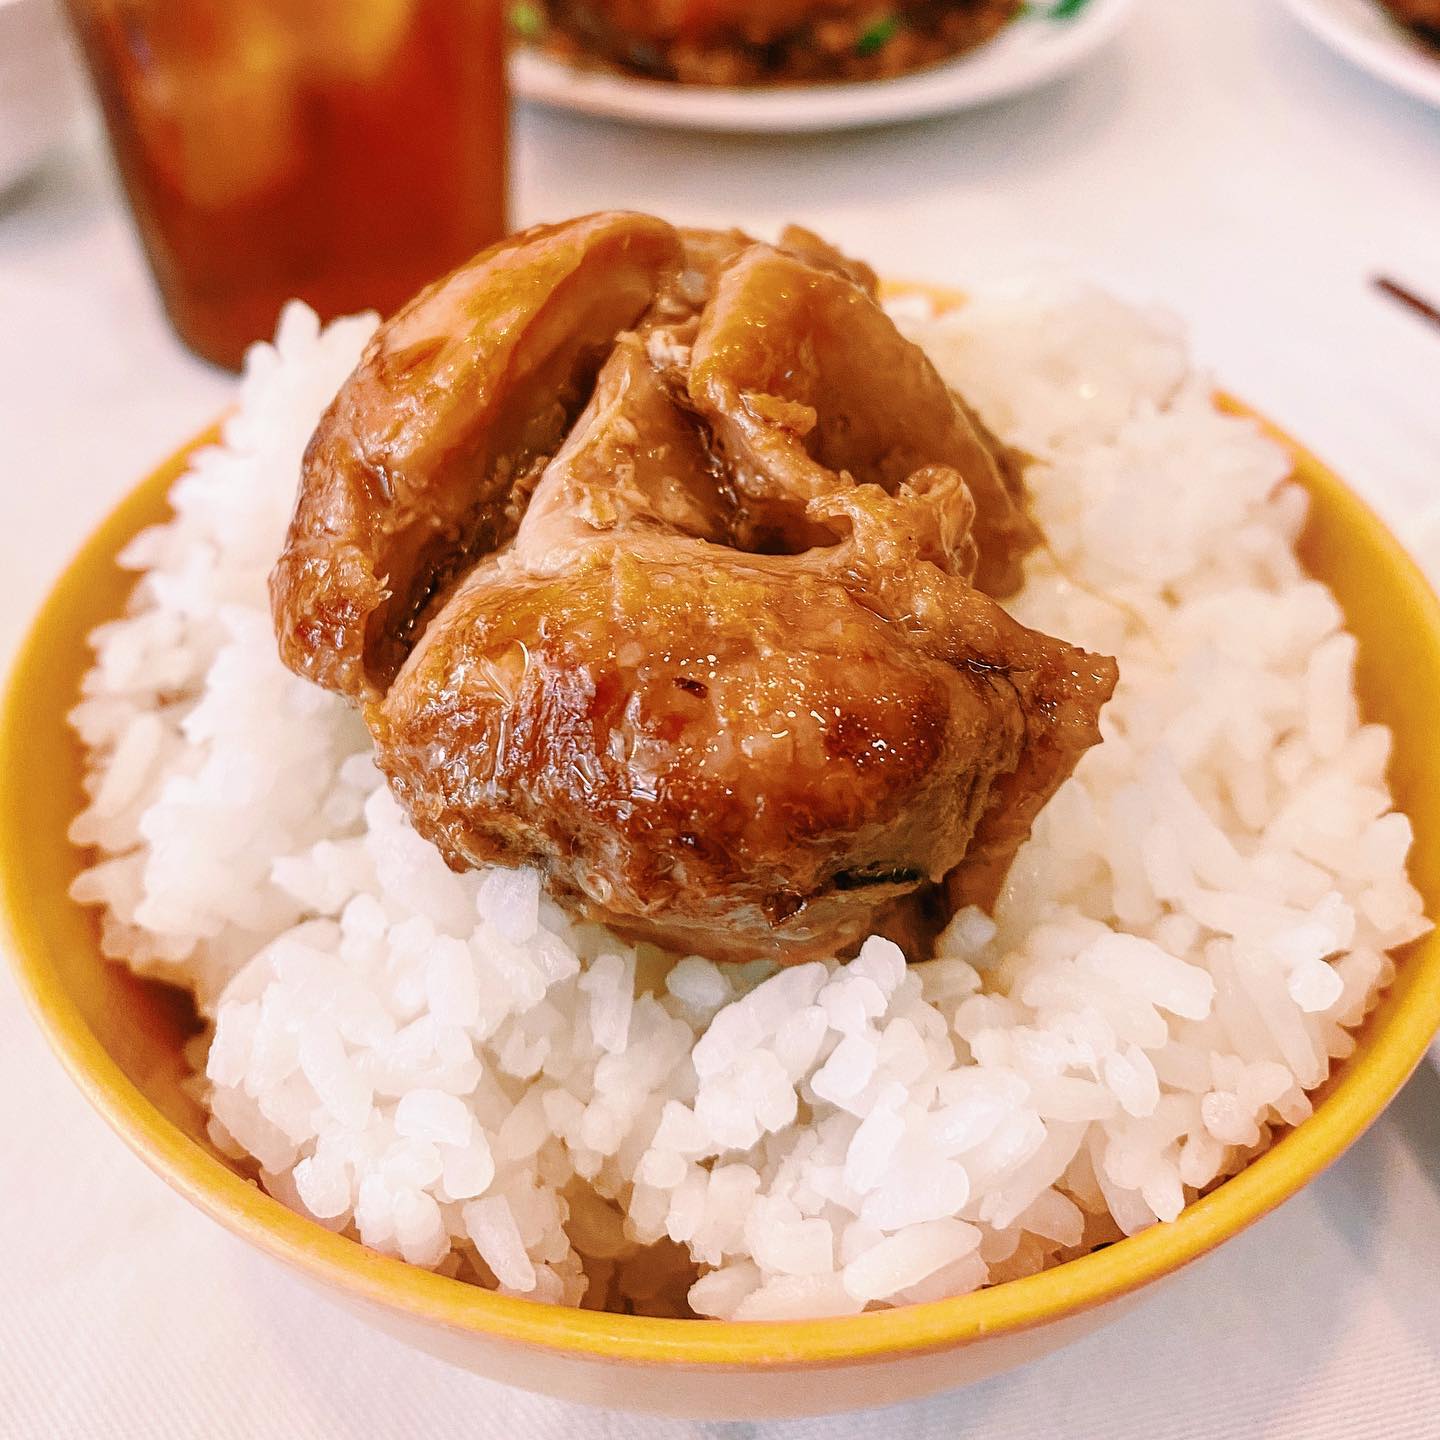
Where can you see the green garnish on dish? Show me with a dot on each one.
(527, 19)
(877, 36)
(1060, 10)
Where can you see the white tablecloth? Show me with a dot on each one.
(1217, 160)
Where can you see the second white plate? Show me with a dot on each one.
(1364, 33)
(1033, 49)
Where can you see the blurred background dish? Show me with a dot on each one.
(1397, 41)
(1040, 43)
(761, 42)
(37, 90)
(1420, 16)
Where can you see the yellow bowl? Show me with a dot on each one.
(121, 1040)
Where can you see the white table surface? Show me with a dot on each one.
(1216, 160)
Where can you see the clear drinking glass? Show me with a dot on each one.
(342, 151)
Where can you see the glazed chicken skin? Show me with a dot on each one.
(797, 422)
(413, 467)
(715, 665)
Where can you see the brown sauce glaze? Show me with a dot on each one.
(702, 629)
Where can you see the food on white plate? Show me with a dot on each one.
(760, 42)
(456, 1068)
(1421, 16)
(650, 557)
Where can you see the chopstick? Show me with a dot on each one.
(1408, 298)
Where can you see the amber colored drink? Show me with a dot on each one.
(343, 151)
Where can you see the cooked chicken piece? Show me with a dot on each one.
(735, 754)
(806, 245)
(686, 291)
(635, 462)
(457, 398)
(673, 322)
(731, 753)
(422, 462)
(896, 560)
(810, 388)
(728, 758)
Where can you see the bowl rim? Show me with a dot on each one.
(1365, 1085)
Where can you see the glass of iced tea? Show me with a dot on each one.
(342, 151)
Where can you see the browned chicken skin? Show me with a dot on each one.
(787, 368)
(411, 468)
(706, 650)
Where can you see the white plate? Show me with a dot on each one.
(1031, 50)
(1363, 32)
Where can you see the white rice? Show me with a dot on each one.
(448, 1068)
